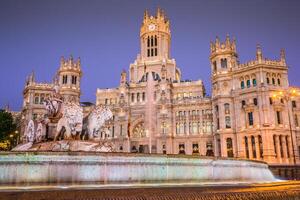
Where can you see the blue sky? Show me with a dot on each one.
(105, 34)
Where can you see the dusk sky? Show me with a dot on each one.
(105, 35)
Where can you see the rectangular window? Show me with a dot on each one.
(227, 122)
(278, 115)
(255, 101)
(224, 63)
(195, 148)
(143, 96)
(132, 97)
(250, 118)
(294, 105)
(181, 149)
(148, 52)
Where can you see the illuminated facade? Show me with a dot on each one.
(252, 113)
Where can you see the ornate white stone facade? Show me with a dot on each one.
(252, 113)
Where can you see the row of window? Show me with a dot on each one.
(152, 46)
(279, 147)
(65, 79)
(192, 113)
(248, 82)
(184, 95)
(223, 64)
(138, 97)
(255, 102)
(251, 142)
(194, 127)
(39, 98)
(110, 101)
(195, 149)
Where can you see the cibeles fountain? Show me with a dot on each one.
(80, 155)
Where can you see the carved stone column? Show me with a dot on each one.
(278, 153)
(250, 147)
(290, 149)
(284, 148)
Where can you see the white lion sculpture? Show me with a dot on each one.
(71, 121)
(29, 135)
(96, 120)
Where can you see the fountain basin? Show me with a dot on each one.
(106, 168)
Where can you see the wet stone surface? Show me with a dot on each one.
(283, 190)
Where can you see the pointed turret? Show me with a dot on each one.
(282, 56)
(259, 56)
(123, 77)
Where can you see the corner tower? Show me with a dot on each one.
(155, 36)
(69, 75)
(224, 59)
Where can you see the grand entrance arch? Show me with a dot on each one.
(139, 141)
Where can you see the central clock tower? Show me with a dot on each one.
(155, 36)
(154, 57)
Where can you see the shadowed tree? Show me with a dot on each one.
(7, 127)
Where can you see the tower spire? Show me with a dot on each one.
(282, 55)
(258, 53)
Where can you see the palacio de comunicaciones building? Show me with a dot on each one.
(252, 112)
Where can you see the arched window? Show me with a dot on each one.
(255, 101)
(242, 84)
(254, 82)
(42, 99)
(278, 81)
(273, 81)
(143, 96)
(36, 99)
(229, 147)
(246, 147)
(224, 63)
(243, 103)
(248, 83)
(215, 65)
(227, 108)
(155, 41)
(151, 41)
(268, 80)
